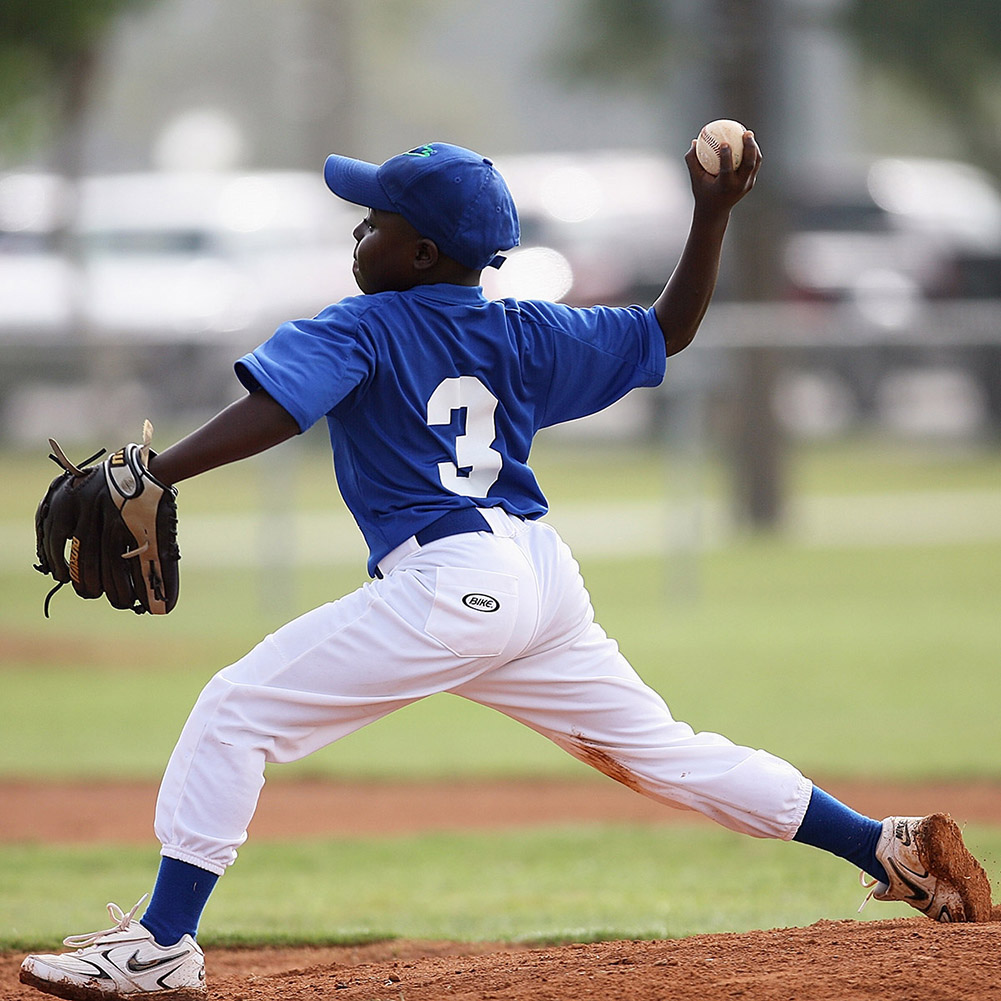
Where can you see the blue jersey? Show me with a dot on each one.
(433, 395)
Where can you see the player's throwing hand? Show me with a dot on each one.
(723, 190)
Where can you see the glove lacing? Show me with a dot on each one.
(58, 456)
(48, 597)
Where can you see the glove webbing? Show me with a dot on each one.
(58, 456)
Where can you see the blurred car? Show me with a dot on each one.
(202, 256)
(889, 235)
(883, 241)
(191, 254)
(34, 281)
(169, 255)
(602, 227)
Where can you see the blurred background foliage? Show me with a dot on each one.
(948, 55)
(48, 53)
(126, 286)
(69, 54)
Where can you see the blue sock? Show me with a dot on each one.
(832, 826)
(179, 897)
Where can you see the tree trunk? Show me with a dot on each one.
(748, 60)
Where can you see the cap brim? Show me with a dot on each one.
(355, 181)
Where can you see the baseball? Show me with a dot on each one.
(712, 137)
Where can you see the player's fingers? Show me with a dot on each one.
(696, 172)
(749, 164)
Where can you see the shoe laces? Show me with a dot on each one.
(123, 919)
(869, 883)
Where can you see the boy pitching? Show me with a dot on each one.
(432, 395)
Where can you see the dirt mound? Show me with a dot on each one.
(896, 960)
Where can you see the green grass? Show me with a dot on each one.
(850, 661)
(568, 470)
(556, 884)
(881, 465)
(825, 657)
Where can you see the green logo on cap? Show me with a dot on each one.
(422, 151)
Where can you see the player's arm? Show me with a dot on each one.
(248, 426)
(685, 299)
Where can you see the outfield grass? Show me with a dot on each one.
(839, 660)
(579, 883)
(826, 658)
(860, 660)
(826, 655)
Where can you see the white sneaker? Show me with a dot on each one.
(931, 869)
(120, 962)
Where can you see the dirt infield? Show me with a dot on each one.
(123, 811)
(894, 960)
(900, 960)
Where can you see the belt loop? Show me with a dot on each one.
(394, 556)
(498, 520)
(456, 522)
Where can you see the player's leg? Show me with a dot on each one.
(290, 695)
(589, 701)
(576, 688)
(317, 679)
(313, 681)
(613, 722)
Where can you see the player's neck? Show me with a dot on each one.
(449, 272)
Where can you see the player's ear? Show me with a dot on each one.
(426, 255)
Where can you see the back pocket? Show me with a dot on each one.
(474, 611)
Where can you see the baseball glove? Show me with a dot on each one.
(121, 526)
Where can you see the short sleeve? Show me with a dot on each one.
(598, 355)
(310, 366)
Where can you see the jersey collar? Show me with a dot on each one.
(447, 292)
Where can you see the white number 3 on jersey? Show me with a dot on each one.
(476, 465)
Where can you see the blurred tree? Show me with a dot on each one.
(628, 43)
(946, 54)
(949, 54)
(621, 41)
(752, 35)
(48, 59)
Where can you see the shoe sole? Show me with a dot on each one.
(940, 846)
(79, 992)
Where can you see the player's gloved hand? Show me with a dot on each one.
(121, 526)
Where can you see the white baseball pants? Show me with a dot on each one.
(519, 637)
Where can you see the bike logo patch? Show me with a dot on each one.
(480, 602)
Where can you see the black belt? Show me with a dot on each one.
(462, 519)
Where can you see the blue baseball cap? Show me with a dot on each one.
(449, 194)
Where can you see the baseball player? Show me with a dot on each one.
(432, 395)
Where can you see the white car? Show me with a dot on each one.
(891, 230)
(602, 227)
(169, 255)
